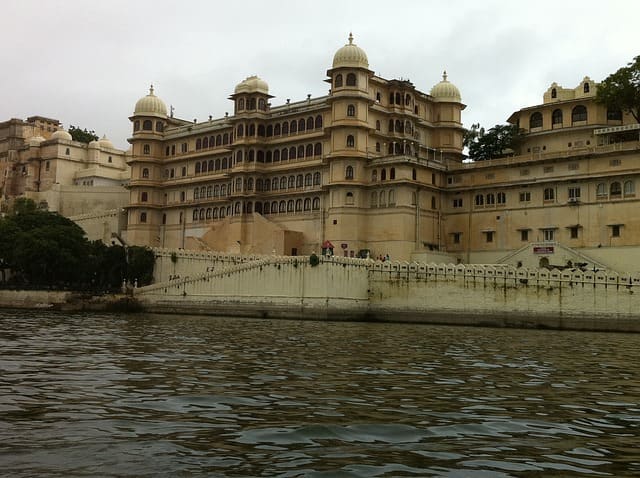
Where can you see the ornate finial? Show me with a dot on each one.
(350, 38)
(444, 75)
(151, 89)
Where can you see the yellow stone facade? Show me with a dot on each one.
(377, 167)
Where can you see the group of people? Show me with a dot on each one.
(384, 258)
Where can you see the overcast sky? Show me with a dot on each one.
(86, 63)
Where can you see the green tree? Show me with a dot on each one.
(140, 262)
(621, 90)
(497, 142)
(82, 135)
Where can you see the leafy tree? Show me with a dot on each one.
(621, 90)
(140, 261)
(82, 135)
(497, 142)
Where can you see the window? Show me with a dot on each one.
(374, 199)
(338, 81)
(556, 117)
(308, 179)
(586, 88)
(479, 200)
(351, 79)
(579, 113)
(299, 181)
(457, 202)
(491, 199)
(629, 188)
(614, 115)
(47, 166)
(615, 230)
(525, 196)
(143, 217)
(144, 196)
(524, 235)
(433, 203)
(291, 182)
(349, 198)
(147, 125)
(392, 173)
(316, 204)
(489, 236)
(392, 198)
(146, 149)
(601, 190)
(351, 110)
(536, 120)
(502, 198)
(573, 232)
(351, 142)
(377, 147)
(548, 234)
(573, 193)
(554, 93)
(136, 125)
(455, 237)
(316, 179)
(549, 194)
(383, 175)
(615, 189)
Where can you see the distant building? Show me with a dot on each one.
(40, 161)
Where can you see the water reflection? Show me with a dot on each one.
(92, 395)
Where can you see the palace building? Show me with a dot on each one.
(376, 167)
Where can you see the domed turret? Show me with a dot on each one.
(446, 91)
(252, 84)
(150, 105)
(61, 134)
(105, 142)
(35, 140)
(350, 56)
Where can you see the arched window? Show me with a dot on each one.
(136, 125)
(348, 172)
(351, 110)
(615, 189)
(293, 127)
(283, 182)
(250, 184)
(211, 165)
(629, 188)
(215, 213)
(223, 190)
(291, 183)
(479, 200)
(283, 206)
(399, 126)
(241, 104)
(222, 212)
(251, 104)
(309, 150)
(310, 123)
(196, 193)
(208, 213)
(317, 149)
(237, 208)
(502, 198)
(374, 175)
(383, 174)
(251, 156)
(299, 180)
(407, 99)
(298, 205)
(316, 179)
(390, 98)
(195, 215)
(260, 130)
(285, 128)
(307, 204)
(351, 79)
(377, 125)
(392, 197)
(585, 88)
(205, 142)
(351, 142)
(300, 152)
(146, 149)
(145, 172)
(274, 184)
(398, 99)
(308, 179)
(262, 105)
(216, 191)
(147, 125)
(159, 126)
(601, 190)
(382, 199)
(316, 204)
(144, 196)
(392, 173)
(318, 122)
(414, 174)
(225, 163)
(554, 93)
(579, 113)
(204, 166)
(292, 152)
(209, 191)
(377, 147)
(239, 156)
(434, 204)
(225, 138)
(203, 192)
(338, 81)
(549, 194)
(535, 121)
(556, 117)
(491, 199)
(251, 130)
(290, 205)
(301, 125)
(218, 140)
(276, 130)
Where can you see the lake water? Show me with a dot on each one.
(152, 395)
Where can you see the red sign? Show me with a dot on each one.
(543, 249)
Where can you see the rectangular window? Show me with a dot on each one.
(489, 236)
(525, 196)
(456, 237)
(524, 235)
(524, 172)
(548, 234)
(548, 169)
(457, 202)
(573, 232)
(615, 230)
(574, 193)
(615, 162)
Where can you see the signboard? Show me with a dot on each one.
(543, 249)
(344, 245)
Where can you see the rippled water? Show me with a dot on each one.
(151, 395)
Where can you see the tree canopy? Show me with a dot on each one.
(82, 135)
(497, 142)
(43, 248)
(621, 90)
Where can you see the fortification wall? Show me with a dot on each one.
(99, 225)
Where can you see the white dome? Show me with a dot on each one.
(252, 84)
(105, 142)
(446, 91)
(61, 134)
(351, 56)
(35, 140)
(150, 105)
